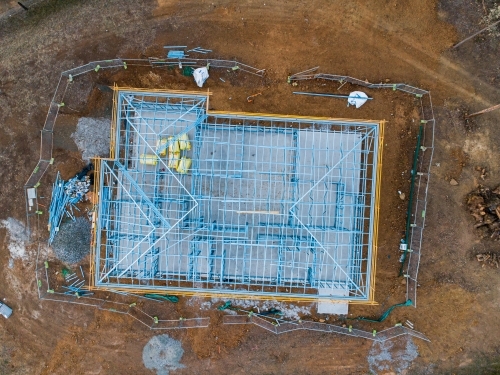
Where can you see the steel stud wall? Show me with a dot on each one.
(272, 206)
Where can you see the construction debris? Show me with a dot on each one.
(483, 172)
(65, 195)
(357, 98)
(5, 310)
(163, 297)
(200, 76)
(74, 284)
(489, 109)
(490, 259)
(76, 189)
(250, 98)
(57, 207)
(200, 50)
(92, 136)
(477, 33)
(72, 243)
(484, 206)
(176, 55)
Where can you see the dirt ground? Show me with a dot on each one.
(394, 40)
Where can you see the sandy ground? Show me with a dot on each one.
(400, 41)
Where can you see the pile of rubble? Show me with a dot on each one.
(484, 206)
(490, 259)
(72, 242)
(65, 196)
(77, 188)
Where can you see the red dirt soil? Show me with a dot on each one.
(399, 41)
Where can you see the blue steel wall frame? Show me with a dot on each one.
(272, 206)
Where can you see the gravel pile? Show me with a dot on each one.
(92, 137)
(72, 243)
(162, 354)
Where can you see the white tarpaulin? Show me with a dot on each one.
(357, 98)
(200, 76)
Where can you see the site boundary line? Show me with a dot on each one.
(280, 328)
(416, 235)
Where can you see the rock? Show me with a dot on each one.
(453, 182)
(402, 196)
(322, 320)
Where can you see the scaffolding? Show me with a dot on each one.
(272, 207)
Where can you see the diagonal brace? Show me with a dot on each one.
(143, 195)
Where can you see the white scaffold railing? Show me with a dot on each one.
(278, 326)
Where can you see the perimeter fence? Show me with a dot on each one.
(277, 326)
(50, 292)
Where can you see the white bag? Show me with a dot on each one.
(357, 98)
(200, 76)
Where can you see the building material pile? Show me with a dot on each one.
(76, 189)
(75, 285)
(65, 195)
(484, 205)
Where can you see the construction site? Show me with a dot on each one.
(227, 206)
(270, 206)
(192, 205)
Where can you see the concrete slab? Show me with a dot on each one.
(262, 206)
(333, 308)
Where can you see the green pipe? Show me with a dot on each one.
(385, 314)
(410, 200)
(164, 297)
